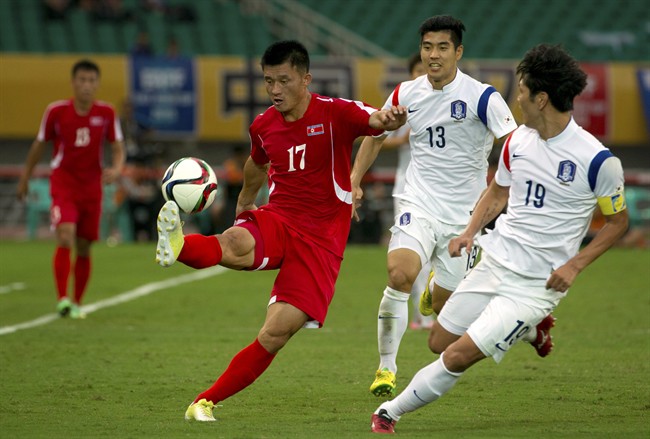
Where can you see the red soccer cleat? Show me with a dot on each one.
(543, 343)
(382, 423)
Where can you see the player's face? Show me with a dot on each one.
(439, 57)
(84, 85)
(287, 88)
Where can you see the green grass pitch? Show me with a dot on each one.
(130, 370)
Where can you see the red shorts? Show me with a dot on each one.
(85, 214)
(307, 273)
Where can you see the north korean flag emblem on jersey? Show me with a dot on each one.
(315, 130)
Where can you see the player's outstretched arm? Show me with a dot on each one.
(254, 178)
(614, 228)
(366, 156)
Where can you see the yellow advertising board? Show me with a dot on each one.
(230, 91)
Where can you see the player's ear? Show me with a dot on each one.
(306, 80)
(459, 52)
(541, 99)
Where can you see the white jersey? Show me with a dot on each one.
(452, 133)
(554, 188)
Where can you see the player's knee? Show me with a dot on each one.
(273, 340)
(435, 344)
(437, 305)
(455, 360)
(236, 243)
(400, 279)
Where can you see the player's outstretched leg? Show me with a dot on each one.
(426, 300)
(170, 234)
(200, 410)
(543, 343)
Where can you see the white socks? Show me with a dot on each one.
(391, 324)
(429, 384)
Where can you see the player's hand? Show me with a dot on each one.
(357, 197)
(110, 175)
(244, 207)
(456, 245)
(390, 119)
(22, 190)
(562, 278)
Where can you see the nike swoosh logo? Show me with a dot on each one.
(416, 395)
(516, 156)
(412, 110)
(387, 317)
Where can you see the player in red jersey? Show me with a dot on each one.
(303, 145)
(77, 128)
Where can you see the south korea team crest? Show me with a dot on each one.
(458, 110)
(566, 172)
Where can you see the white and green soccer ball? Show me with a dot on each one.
(191, 183)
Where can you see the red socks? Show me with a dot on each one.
(61, 270)
(81, 275)
(200, 251)
(243, 369)
(62, 273)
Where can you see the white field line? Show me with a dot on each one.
(16, 286)
(127, 296)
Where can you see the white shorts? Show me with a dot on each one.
(429, 238)
(496, 307)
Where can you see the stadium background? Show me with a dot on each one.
(201, 100)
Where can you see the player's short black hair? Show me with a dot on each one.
(289, 50)
(549, 68)
(439, 23)
(85, 64)
(414, 60)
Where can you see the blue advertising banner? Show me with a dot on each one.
(163, 93)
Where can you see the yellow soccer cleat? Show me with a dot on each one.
(170, 234)
(384, 384)
(426, 299)
(200, 411)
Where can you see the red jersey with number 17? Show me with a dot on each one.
(309, 173)
(78, 146)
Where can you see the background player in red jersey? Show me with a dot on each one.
(78, 128)
(303, 145)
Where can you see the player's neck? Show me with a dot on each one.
(299, 110)
(552, 125)
(82, 107)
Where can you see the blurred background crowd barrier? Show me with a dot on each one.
(185, 78)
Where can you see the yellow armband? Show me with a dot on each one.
(612, 204)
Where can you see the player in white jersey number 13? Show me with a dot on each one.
(454, 120)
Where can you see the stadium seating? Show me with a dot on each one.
(593, 30)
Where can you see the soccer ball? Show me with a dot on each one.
(191, 183)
